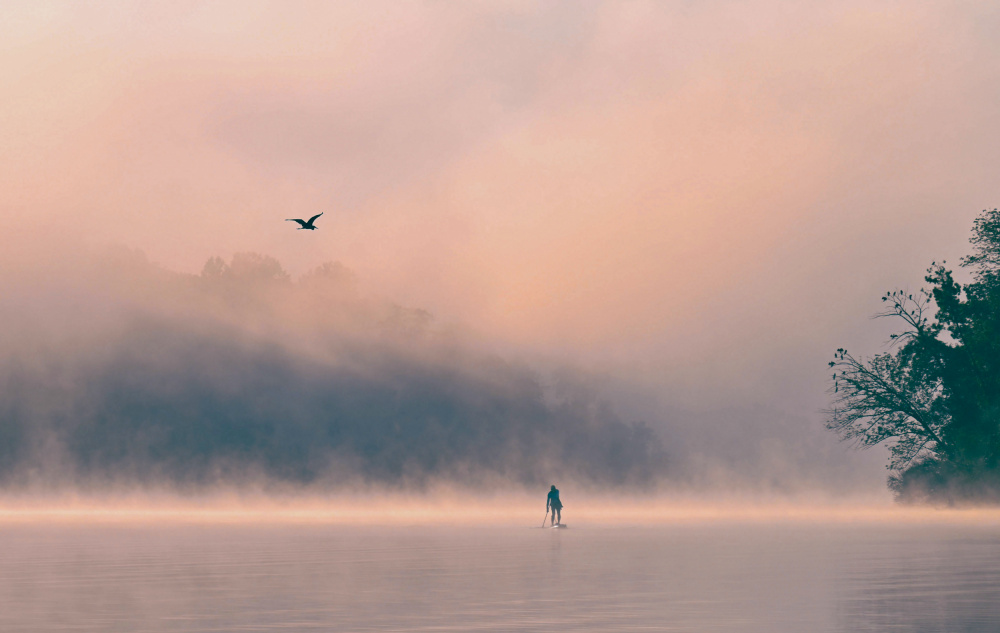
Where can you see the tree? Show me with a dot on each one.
(896, 396)
(935, 398)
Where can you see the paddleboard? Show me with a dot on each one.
(559, 526)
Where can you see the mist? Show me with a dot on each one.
(608, 242)
(240, 375)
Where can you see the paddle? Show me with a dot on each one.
(546, 516)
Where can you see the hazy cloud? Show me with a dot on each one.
(251, 377)
(694, 202)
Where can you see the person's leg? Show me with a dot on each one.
(558, 512)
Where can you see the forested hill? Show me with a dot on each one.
(129, 373)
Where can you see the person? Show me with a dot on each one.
(553, 503)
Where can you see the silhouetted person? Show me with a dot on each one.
(553, 503)
(306, 225)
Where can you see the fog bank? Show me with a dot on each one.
(123, 372)
(674, 209)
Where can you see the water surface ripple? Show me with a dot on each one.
(698, 578)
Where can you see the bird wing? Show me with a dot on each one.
(302, 222)
(313, 218)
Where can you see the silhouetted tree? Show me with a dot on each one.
(897, 395)
(936, 397)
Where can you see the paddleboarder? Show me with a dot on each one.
(552, 503)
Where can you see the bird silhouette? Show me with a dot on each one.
(306, 225)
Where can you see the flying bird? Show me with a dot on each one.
(306, 225)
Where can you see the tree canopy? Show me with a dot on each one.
(934, 398)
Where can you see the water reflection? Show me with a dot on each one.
(306, 578)
(925, 580)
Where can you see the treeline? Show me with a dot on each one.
(935, 397)
(243, 374)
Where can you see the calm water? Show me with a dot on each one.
(675, 578)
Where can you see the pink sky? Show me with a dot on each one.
(706, 198)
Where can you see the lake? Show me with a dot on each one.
(701, 576)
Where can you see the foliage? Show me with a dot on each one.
(934, 399)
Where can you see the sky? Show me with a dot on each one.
(690, 203)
